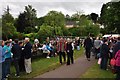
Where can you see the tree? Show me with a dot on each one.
(21, 23)
(67, 17)
(85, 27)
(30, 16)
(45, 31)
(7, 17)
(40, 21)
(8, 28)
(28, 19)
(94, 17)
(56, 20)
(109, 17)
(8, 31)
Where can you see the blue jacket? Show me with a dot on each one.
(7, 51)
(48, 47)
(2, 58)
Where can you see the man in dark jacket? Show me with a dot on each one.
(28, 55)
(104, 54)
(88, 45)
(16, 50)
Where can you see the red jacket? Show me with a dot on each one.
(61, 46)
(117, 57)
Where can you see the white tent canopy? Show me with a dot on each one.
(115, 35)
(107, 35)
(112, 35)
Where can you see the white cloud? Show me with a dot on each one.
(44, 6)
(55, 0)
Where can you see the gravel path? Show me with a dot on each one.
(75, 70)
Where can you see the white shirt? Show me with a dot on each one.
(72, 46)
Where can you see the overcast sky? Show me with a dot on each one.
(44, 6)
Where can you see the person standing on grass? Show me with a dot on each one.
(115, 50)
(97, 44)
(61, 47)
(117, 66)
(2, 60)
(21, 62)
(69, 50)
(88, 46)
(7, 51)
(78, 44)
(28, 55)
(116, 46)
(16, 50)
(104, 54)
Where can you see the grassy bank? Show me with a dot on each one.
(42, 65)
(96, 72)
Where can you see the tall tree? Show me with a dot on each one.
(56, 20)
(21, 23)
(28, 19)
(7, 17)
(110, 17)
(8, 28)
(94, 17)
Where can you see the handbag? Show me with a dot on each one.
(112, 62)
(99, 60)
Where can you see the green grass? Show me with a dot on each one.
(96, 72)
(42, 65)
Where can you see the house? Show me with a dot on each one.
(70, 24)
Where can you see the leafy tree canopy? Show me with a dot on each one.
(26, 21)
(110, 17)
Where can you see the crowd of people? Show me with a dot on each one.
(20, 53)
(17, 53)
(105, 49)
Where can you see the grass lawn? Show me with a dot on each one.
(42, 65)
(96, 72)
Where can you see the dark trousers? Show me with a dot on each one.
(118, 73)
(70, 58)
(7, 66)
(60, 56)
(103, 64)
(1, 74)
(3, 69)
(21, 64)
(96, 52)
(88, 52)
(16, 64)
